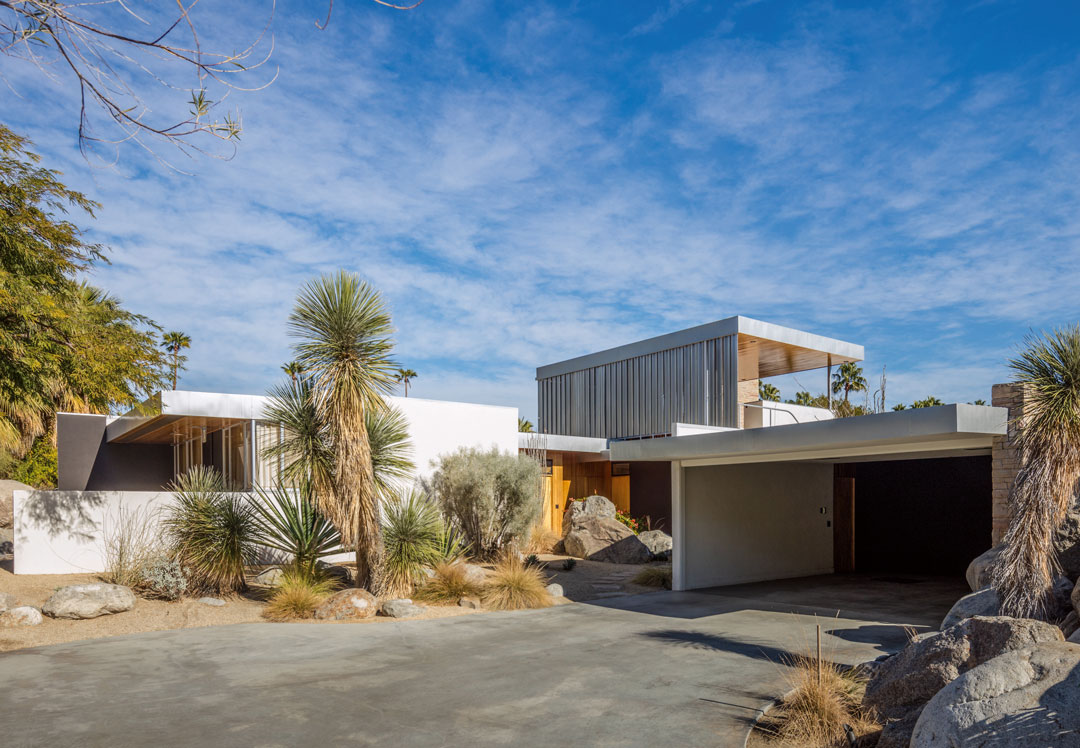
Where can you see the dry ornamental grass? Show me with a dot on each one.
(449, 583)
(514, 585)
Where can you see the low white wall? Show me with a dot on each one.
(63, 532)
(749, 523)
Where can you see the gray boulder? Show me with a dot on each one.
(476, 574)
(603, 539)
(1074, 637)
(593, 506)
(985, 602)
(1070, 625)
(7, 601)
(981, 568)
(339, 573)
(402, 608)
(658, 542)
(904, 683)
(270, 577)
(1023, 699)
(347, 605)
(1067, 542)
(469, 602)
(555, 590)
(1075, 597)
(80, 601)
(215, 602)
(23, 615)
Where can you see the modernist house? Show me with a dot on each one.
(670, 428)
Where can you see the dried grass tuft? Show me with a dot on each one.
(542, 539)
(654, 576)
(297, 596)
(514, 585)
(449, 583)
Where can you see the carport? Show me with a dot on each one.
(890, 493)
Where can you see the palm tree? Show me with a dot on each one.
(524, 425)
(174, 342)
(1049, 442)
(929, 402)
(804, 398)
(343, 331)
(293, 369)
(405, 376)
(847, 379)
(768, 392)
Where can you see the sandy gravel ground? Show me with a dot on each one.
(148, 615)
(588, 580)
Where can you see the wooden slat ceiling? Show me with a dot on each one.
(175, 429)
(775, 358)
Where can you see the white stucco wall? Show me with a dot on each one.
(769, 413)
(748, 523)
(62, 532)
(439, 427)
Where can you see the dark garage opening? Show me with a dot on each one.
(927, 516)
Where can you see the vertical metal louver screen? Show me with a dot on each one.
(644, 395)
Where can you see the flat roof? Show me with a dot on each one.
(784, 345)
(946, 430)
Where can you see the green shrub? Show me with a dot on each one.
(297, 595)
(38, 468)
(490, 497)
(448, 583)
(514, 586)
(414, 536)
(213, 534)
(163, 579)
(287, 520)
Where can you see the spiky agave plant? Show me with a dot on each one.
(1046, 484)
(288, 520)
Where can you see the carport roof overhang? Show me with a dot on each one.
(944, 431)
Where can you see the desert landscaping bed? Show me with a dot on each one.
(588, 580)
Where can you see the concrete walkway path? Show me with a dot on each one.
(688, 669)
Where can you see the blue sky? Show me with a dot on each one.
(532, 181)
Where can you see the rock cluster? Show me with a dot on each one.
(591, 531)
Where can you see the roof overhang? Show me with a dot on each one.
(174, 415)
(780, 350)
(947, 430)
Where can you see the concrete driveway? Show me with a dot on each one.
(666, 668)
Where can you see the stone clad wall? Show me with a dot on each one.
(1005, 457)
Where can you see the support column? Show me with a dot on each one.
(678, 527)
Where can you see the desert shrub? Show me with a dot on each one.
(131, 541)
(415, 538)
(542, 539)
(514, 586)
(163, 579)
(654, 576)
(816, 708)
(448, 583)
(490, 497)
(568, 564)
(213, 534)
(288, 520)
(297, 595)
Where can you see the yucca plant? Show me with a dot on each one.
(288, 520)
(1046, 484)
(212, 533)
(413, 535)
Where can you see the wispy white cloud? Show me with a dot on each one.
(529, 184)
